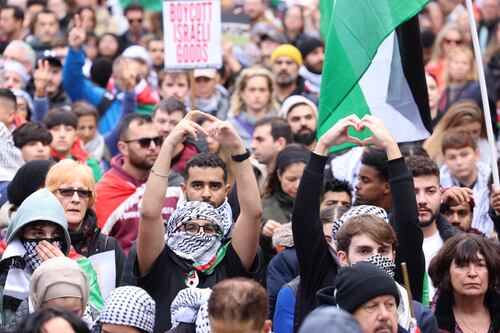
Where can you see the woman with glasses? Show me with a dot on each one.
(448, 38)
(466, 273)
(73, 185)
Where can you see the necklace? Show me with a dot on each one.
(463, 322)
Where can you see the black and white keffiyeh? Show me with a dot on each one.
(382, 262)
(31, 256)
(356, 211)
(200, 248)
(128, 306)
(191, 306)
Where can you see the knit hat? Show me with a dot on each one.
(330, 319)
(361, 282)
(128, 306)
(18, 68)
(292, 153)
(57, 278)
(293, 101)
(287, 50)
(306, 44)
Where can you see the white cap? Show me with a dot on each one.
(211, 73)
(294, 100)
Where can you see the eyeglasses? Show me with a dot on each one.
(69, 192)
(138, 20)
(193, 228)
(146, 142)
(452, 41)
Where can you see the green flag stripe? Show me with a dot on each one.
(356, 31)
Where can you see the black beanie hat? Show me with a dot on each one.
(361, 282)
(306, 44)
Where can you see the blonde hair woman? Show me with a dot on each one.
(448, 38)
(253, 98)
(73, 185)
(460, 77)
(462, 116)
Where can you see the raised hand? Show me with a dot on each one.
(338, 134)
(130, 74)
(186, 127)
(381, 137)
(76, 36)
(224, 133)
(495, 199)
(41, 77)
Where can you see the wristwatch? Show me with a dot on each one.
(241, 157)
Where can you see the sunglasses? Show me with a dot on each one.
(146, 142)
(452, 41)
(139, 20)
(69, 192)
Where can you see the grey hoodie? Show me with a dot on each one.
(41, 205)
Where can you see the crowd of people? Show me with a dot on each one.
(135, 198)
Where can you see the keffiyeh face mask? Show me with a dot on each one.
(382, 262)
(31, 256)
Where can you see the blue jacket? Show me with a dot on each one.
(283, 268)
(79, 87)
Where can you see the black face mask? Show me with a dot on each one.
(31, 256)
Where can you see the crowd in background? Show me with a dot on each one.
(134, 198)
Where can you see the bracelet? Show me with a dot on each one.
(158, 174)
(241, 157)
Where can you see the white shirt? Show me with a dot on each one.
(431, 246)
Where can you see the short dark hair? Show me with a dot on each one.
(279, 128)
(463, 248)
(82, 108)
(133, 6)
(35, 321)
(128, 119)
(169, 106)
(206, 160)
(58, 116)
(377, 229)
(8, 96)
(32, 131)
(37, 16)
(421, 166)
(408, 150)
(332, 213)
(162, 75)
(239, 300)
(17, 12)
(336, 185)
(377, 159)
(457, 140)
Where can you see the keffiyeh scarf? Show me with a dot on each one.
(191, 306)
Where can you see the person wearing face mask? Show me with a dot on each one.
(318, 268)
(35, 235)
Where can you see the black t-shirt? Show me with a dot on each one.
(166, 279)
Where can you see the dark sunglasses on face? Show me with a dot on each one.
(138, 20)
(193, 228)
(69, 192)
(146, 142)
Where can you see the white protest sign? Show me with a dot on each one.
(105, 268)
(192, 34)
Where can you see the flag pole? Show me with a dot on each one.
(484, 94)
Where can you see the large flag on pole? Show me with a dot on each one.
(373, 65)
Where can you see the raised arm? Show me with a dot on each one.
(315, 261)
(74, 82)
(129, 104)
(404, 207)
(245, 236)
(150, 241)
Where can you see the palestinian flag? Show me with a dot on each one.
(373, 65)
